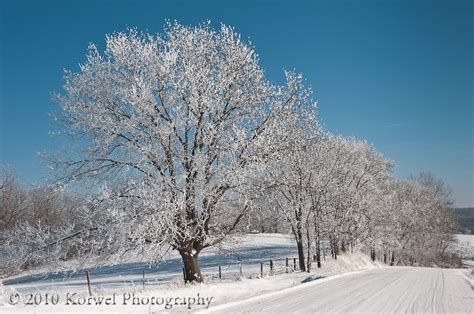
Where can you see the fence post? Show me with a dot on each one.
(240, 270)
(286, 265)
(294, 264)
(261, 270)
(88, 283)
(271, 267)
(143, 279)
(220, 273)
(184, 276)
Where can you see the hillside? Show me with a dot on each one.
(465, 219)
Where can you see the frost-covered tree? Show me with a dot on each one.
(287, 177)
(30, 216)
(419, 224)
(361, 173)
(13, 200)
(346, 176)
(173, 128)
(326, 187)
(20, 203)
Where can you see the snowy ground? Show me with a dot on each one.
(253, 249)
(386, 290)
(166, 282)
(352, 283)
(465, 247)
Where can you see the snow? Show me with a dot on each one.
(252, 250)
(166, 280)
(352, 283)
(465, 248)
(386, 290)
(466, 241)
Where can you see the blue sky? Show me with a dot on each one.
(396, 73)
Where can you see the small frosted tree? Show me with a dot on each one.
(173, 128)
(287, 176)
(421, 226)
(13, 200)
(359, 176)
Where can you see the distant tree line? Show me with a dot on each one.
(465, 219)
(23, 204)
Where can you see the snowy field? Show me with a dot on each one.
(352, 283)
(165, 280)
(465, 248)
(252, 250)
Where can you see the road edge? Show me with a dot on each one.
(300, 286)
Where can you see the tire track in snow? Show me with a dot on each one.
(387, 290)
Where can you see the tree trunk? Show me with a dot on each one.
(331, 243)
(318, 244)
(301, 255)
(334, 248)
(392, 262)
(308, 251)
(192, 271)
(318, 253)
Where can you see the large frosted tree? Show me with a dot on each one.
(173, 128)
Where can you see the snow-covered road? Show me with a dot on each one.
(391, 289)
